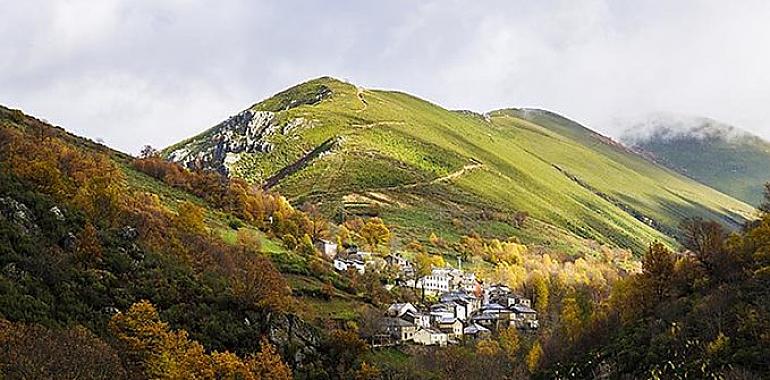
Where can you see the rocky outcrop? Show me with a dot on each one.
(19, 214)
(244, 132)
(299, 341)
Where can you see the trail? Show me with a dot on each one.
(465, 169)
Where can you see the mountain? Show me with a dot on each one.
(730, 160)
(426, 169)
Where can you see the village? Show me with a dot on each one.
(463, 307)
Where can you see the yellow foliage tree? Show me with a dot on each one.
(533, 357)
(190, 218)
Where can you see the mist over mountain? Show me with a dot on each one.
(722, 156)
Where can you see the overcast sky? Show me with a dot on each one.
(136, 72)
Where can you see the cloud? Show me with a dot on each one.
(143, 71)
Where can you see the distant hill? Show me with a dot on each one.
(427, 169)
(730, 160)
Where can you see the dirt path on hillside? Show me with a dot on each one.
(465, 169)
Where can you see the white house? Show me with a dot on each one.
(430, 337)
(453, 327)
(437, 282)
(327, 248)
(399, 309)
(419, 319)
(343, 263)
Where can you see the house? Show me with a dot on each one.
(523, 317)
(345, 262)
(399, 309)
(417, 318)
(397, 261)
(399, 329)
(453, 327)
(430, 337)
(327, 248)
(437, 282)
(468, 303)
(509, 299)
(490, 321)
(475, 331)
(457, 310)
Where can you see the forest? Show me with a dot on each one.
(100, 279)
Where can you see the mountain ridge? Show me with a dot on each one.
(393, 142)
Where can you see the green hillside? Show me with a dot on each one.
(731, 161)
(425, 168)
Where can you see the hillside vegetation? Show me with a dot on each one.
(424, 168)
(731, 161)
(108, 272)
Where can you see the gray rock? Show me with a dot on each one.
(69, 241)
(19, 214)
(129, 233)
(245, 132)
(57, 213)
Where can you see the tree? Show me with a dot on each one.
(533, 357)
(540, 289)
(487, 347)
(150, 346)
(267, 364)
(88, 248)
(255, 281)
(657, 270)
(148, 152)
(306, 246)
(509, 342)
(570, 318)
(190, 218)
(374, 233)
(367, 372)
(35, 352)
(705, 239)
(519, 218)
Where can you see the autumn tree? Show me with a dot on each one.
(88, 248)
(534, 356)
(36, 352)
(374, 233)
(509, 342)
(149, 345)
(657, 270)
(267, 364)
(190, 218)
(255, 281)
(423, 266)
(570, 320)
(539, 284)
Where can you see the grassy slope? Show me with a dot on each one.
(392, 146)
(737, 166)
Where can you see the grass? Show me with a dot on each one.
(738, 166)
(576, 185)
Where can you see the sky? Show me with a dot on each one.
(136, 72)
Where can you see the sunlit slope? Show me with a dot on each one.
(414, 159)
